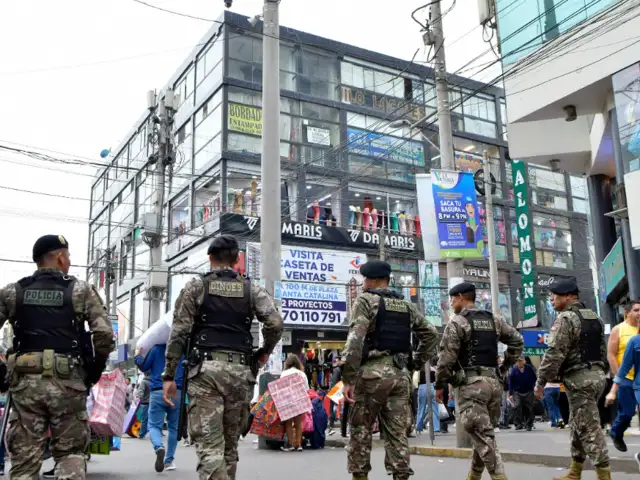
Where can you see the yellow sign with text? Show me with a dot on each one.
(245, 119)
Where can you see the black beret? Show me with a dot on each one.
(464, 287)
(564, 287)
(376, 269)
(223, 242)
(48, 243)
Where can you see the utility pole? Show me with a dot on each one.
(162, 135)
(113, 268)
(491, 234)
(107, 271)
(270, 211)
(455, 269)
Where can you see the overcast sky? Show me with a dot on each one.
(74, 74)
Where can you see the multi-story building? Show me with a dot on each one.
(348, 169)
(571, 79)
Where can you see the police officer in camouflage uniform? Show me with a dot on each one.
(48, 374)
(468, 360)
(216, 311)
(375, 373)
(577, 354)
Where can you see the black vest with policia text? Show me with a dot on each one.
(393, 324)
(482, 348)
(45, 318)
(224, 319)
(589, 343)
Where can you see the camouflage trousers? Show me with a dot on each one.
(584, 388)
(382, 391)
(40, 404)
(219, 396)
(478, 405)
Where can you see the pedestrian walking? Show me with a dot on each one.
(50, 372)
(521, 385)
(618, 340)
(423, 406)
(552, 400)
(213, 313)
(468, 360)
(375, 375)
(577, 354)
(153, 364)
(143, 394)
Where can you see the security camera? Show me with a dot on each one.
(228, 3)
(570, 113)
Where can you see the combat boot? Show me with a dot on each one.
(603, 473)
(574, 473)
(498, 476)
(359, 477)
(474, 476)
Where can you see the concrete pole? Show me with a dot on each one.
(114, 283)
(455, 269)
(491, 236)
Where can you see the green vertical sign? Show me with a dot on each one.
(525, 242)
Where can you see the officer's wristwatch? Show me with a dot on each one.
(166, 378)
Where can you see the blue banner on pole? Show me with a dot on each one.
(456, 209)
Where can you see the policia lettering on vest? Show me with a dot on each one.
(55, 360)
(577, 355)
(375, 374)
(212, 328)
(468, 360)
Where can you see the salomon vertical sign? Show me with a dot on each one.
(523, 221)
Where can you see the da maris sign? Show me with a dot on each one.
(523, 220)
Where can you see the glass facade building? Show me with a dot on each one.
(343, 155)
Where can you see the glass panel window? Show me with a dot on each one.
(552, 241)
(579, 194)
(207, 138)
(179, 216)
(499, 227)
(390, 211)
(182, 170)
(322, 201)
(626, 89)
(548, 188)
(243, 193)
(207, 200)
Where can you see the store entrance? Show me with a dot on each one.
(320, 359)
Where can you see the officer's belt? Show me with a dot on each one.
(480, 372)
(229, 357)
(583, 366)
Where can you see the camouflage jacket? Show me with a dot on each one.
(88, 307)
(563, 345)
(186, 309)
(457, 333)
(363, 322)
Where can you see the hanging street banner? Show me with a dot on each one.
(318, 287)
(523, 222)
(457, 217)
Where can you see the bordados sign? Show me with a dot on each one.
(315, 283)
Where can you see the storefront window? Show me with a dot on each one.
(323, 201)
(390, 210)
(626, 90)
(483, 300)
(553, 241)
(207, 199)
(179, 216)
(579, 194)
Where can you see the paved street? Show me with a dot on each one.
(136, 461)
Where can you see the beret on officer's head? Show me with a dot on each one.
(223, 242)
(564, 287)
(464, 287)
(48, 243)
(376, 269)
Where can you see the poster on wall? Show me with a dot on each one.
(319, 136)
(527, 295)
(245, 119)
(457, 216)
(430, 292)
(318, 286)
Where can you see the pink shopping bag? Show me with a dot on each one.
(107, 415)
(290, 396)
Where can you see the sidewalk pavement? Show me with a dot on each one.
(542, 446)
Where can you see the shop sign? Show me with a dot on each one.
(384, 103)
(400, 266)
(613, 268)
(245, 119)
(242, 225)
(523, 221)
(286, 338)
(534, 351)
(535, 338)
(315, 283)
(382, 146)
(457, 217)
(319, 136)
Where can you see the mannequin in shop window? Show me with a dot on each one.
(328, 218)
(313, 213)
(352, 216)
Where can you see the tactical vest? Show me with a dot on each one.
(224, 318)
(591, 332)
(482, 348)
(393, 324)
(45, 318)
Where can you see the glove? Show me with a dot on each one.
(95, 370)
